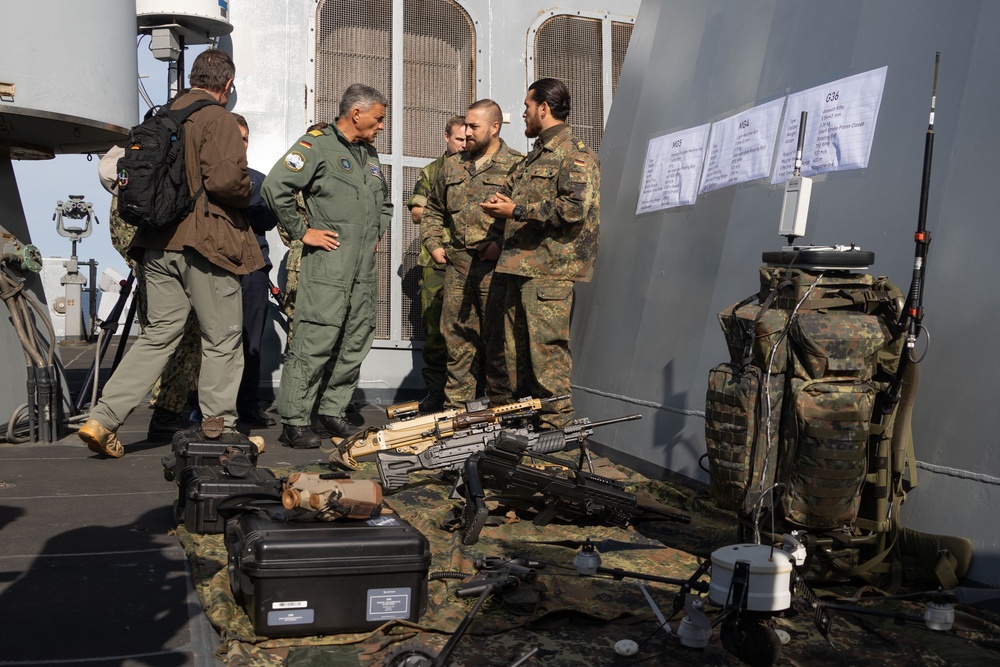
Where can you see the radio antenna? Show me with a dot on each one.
(915, 299)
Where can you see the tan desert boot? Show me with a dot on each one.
(100, 440)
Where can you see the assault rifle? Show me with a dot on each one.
(394, 468)
(415, 434)
(568, 494)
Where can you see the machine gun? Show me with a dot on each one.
(394, 468)
(415, 434)
(568, 494)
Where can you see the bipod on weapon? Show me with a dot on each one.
(494, 576)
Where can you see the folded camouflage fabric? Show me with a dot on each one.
(577, 619)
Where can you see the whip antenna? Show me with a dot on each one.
(914, 310)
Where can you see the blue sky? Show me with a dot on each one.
(43, 183)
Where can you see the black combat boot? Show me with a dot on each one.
(335, 427)
(299, 437)
(433, 401)
(164, 424)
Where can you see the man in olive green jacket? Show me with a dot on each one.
(196, 265)
(552, 208)
(348, 209)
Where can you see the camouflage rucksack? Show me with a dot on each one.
(797, 413)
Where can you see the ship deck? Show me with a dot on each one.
(94, 572)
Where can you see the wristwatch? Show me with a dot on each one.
(519, 212)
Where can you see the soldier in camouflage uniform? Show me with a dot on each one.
(293, 259)
(472, 309)
(435, 352)
(552, 206)
(170, 393)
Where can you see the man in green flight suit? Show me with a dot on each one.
(435, 353)
(552, 205)
(472, 315)
(349, 209)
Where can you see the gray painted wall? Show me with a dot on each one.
(645, 332)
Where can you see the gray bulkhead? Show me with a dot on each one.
(645, 332)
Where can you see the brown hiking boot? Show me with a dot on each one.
(100, 440)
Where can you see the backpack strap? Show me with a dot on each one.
(178, 116)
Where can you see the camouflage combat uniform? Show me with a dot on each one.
(180, 376)
(435, 353)
(471, 313)
(293, 260)
(544, 253)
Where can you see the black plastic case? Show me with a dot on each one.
(203, 487)
(298, 579)
(190, 448)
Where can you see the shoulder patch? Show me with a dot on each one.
(305, 144)
(316, 133)
(294, 161)
(374, 169)
(345, 164)
(580, 145)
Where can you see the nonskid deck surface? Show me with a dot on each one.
(89, 570)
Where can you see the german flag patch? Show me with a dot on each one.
(579, 163)
(306, 144)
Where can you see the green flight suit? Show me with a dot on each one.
(337, 291)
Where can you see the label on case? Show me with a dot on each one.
(383, 521)
(385, 604)
(303, 617)
(290, 604)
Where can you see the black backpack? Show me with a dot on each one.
(153, 190)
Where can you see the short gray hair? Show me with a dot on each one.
(360, 96)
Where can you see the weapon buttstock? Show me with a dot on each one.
(394, 469)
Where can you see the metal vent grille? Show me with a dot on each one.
(439, 72)
(383, 312)
(621, 33)
(412, 327)
(353, 45)
(568, 48)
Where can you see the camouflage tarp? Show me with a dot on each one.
(573, 620)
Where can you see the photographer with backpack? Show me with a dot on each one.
(192, 257)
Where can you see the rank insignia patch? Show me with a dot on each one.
(295, 161)
(375, 171)
(345, 164)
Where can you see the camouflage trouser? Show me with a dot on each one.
(471, 315)
(293, 261)
(536, 343)
(435, 352)
(180, 376)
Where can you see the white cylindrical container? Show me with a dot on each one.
(769, 587)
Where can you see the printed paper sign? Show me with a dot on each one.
(840, 125)
(740, 147)
(672, 170)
